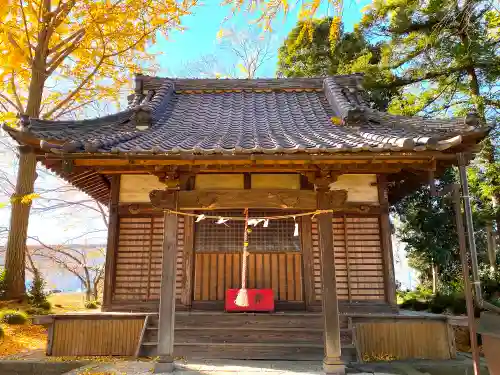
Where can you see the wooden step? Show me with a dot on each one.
(237, 320)
(259, 351)
(290, 336)
(248, 335)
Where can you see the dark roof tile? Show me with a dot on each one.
(252, 116)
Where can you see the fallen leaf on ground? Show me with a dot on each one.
(22, 338)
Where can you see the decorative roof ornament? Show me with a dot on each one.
(24, 123)
(142, 118)
(472, 119)
(346, 102)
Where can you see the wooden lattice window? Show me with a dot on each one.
(228, 237)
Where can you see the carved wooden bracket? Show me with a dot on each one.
(163, 198)
(337, 198)
(323, 177)
(168, 175)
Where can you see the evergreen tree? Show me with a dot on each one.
(309, 55)
(445, 54)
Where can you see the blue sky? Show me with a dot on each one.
(200, 36)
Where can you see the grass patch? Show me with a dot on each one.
(91, 305)
(68, 302)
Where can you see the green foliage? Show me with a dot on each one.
(3, 287)
(44, 305)
(36, 293)
(427, 228)
(304, 56)
(490, 283)
(445, 57)
(91, 305)
(13, 317)
(423, 300)
(437, 43)
(32, 311)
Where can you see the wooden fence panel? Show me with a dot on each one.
(96, 337)
(424, 339)
(216, 272)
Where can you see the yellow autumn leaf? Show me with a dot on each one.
(220, 34)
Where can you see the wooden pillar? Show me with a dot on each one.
(112, 244)
(188, 261)
(386, 243)
(332, 364)
(165, 361)
(307, 259)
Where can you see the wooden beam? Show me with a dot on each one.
(156, 159)
(332, 364)
(165, 347)
(344, 167)
(112, 244)
(238, 198)
(386, 243)
(128, 209)
(307, 259)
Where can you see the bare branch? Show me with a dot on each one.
(26, 30)
(10, 102)
(14, 91)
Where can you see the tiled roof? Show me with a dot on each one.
(309, 115)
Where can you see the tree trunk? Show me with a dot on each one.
(434, 278)
(88, 292)
(490, 237)
(487, 149)
(15, 257)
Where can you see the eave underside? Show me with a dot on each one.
(405, 171)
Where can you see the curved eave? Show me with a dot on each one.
(25, 137)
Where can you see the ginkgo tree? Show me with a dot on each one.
(59, 56)
(56, 57)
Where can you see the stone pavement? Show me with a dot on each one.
(460, 366)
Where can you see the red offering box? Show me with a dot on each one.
(258, 300)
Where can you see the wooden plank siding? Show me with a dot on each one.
(358, 258)
(96, 337)
(216, 272)
(404, 339)
(139, 257)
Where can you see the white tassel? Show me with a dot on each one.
(296, 231)
(255, 222)
(242, 298)
(200, 218)
(221, 221)
(266, 223)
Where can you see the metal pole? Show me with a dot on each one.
(470, 226)
(465, 269)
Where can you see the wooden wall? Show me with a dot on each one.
(138, 261)
(216, 272)
(404, 339)
(95, 337)
(358, 259)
